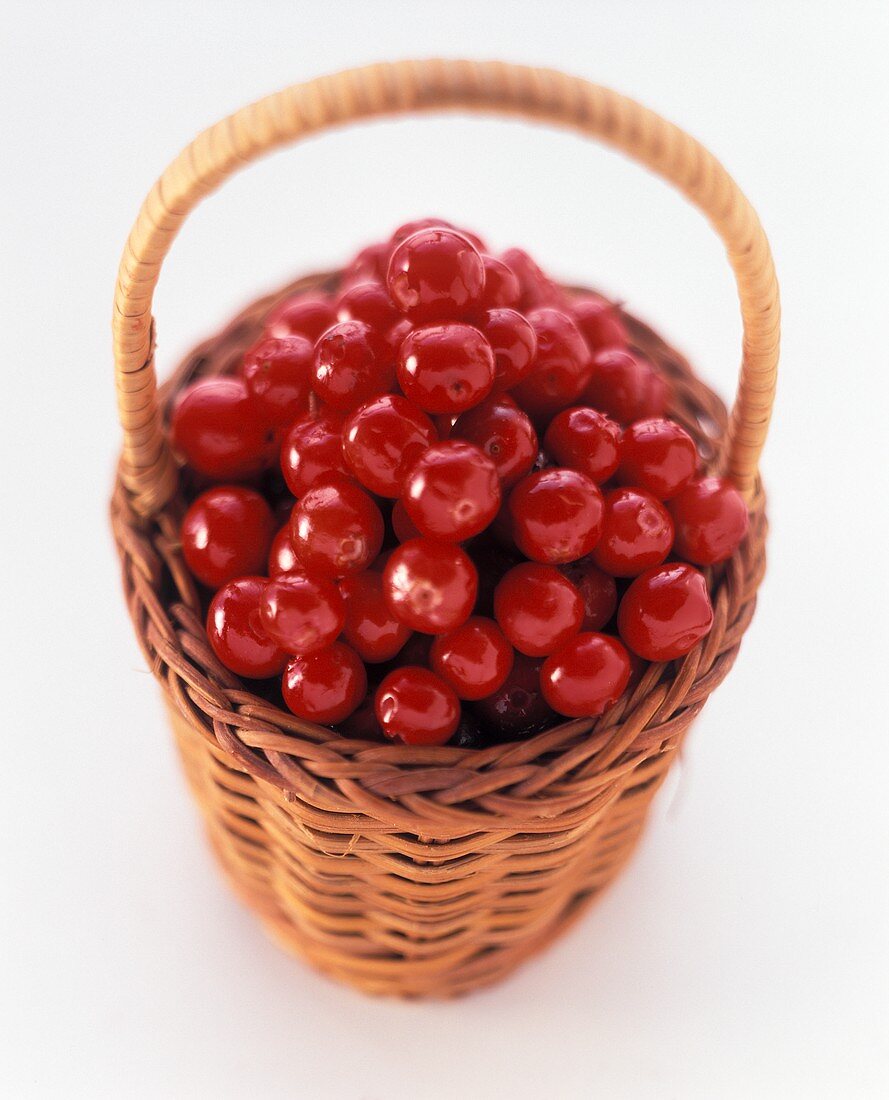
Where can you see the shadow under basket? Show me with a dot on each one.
(408, 870)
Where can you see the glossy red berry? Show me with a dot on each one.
(600, 322)
(452, 491)
(312, 452)
(236, 633)
(219, 430)
(415, 706)
(585, 676)
(435, 275)
(281, 556)
(305, 315)
(371, 628)
(617, 384)
(382, 439)
(598, 591)
(711, 520)
(370, 265)
(474, 659)
(658, 455)
(276, 373)
(518, 706)
(637, 533)
(430, 586)
(445, 368)
(655, 398)
(537, 608)
(502, 289)
(586, 440)
(302, 614)
(325, 687)
(514, 344)
(500, 429)
(665, 612)
(556, 515)
(369, 303)
(226, 533)
(409, 228)
(336, 529)
(351, 366)
(536, 288)
(561, 367)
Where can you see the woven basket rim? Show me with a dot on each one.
(275, 746)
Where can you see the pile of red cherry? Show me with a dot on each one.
(492, 522)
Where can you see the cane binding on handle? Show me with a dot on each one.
(148, 469)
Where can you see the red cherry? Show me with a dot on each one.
(514, 344)
(711, 520)
(302, 614)
(600, 322)
(276, 374)
(302, 315)
(586, 676)
(556, 515)
(312, 452)
(281, 556)
(325, 687)
(658, 455)
(637, 533)
(336, 529)
(220, 431)
(586, 440)
(500, 429)
(445, 368)
(408, 229)
(665, 612)
(597, 590)
(369, 303)
(351, 366)
(502, 289)
(414, 706)
(617, 384)
(402, 524)
(236, 633)
(371, 628)
(561, 367)
(226, 533)
(655, 398)
(430, 586)
(474, 659)
(536, 288)
(452, 491)
(435, 275)
(370, 265)
(518, 706)
(382, 439)
(538, 608)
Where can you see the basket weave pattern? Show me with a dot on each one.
(409, 870)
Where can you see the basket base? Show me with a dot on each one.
(441, 958)
(485, 970)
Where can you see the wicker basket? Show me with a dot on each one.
(403, 870)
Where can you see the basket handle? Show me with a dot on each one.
(148, 468)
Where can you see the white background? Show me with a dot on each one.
(744, 952)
